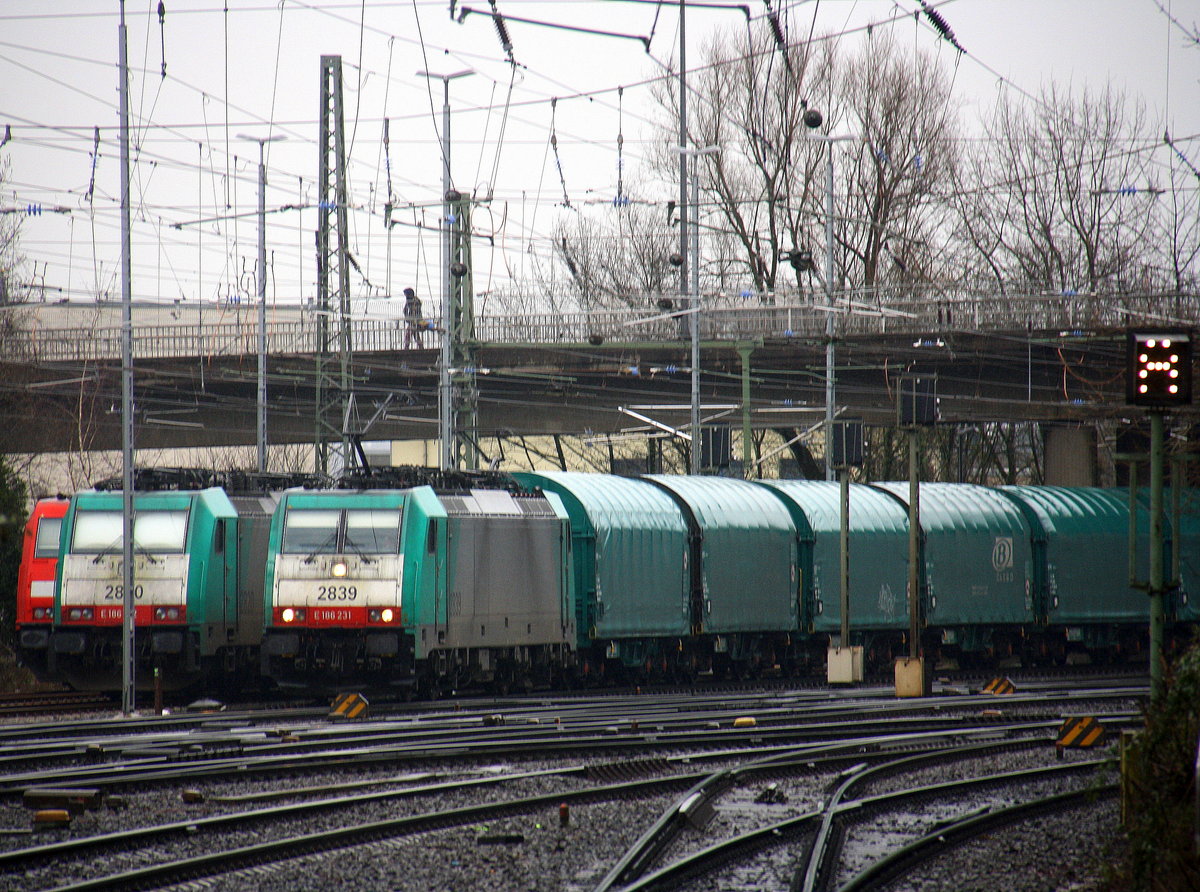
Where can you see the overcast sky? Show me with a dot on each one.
(254, 70)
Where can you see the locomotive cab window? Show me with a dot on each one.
(48, 531)
(373, 532)
(360, 531)
(160, 530)
(103, 531)
(306, 531)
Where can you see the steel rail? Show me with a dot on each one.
(662, 832)
(826, 857)
(672, 875)
(821, 856)
(805, 758)
(796, 757)
(288, 847)
(902, 861)
(239, 761)
(150, 834)
(704, 861)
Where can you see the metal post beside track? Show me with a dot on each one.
(1157, 580)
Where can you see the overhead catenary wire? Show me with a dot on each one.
(230, 14)
(554, 146)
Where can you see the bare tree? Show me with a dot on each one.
(12, 289)
(888, 224)
(1045, 199)
(616, 256)
(750, 102)
(989, 454)
(1177, 229)
(768, 184)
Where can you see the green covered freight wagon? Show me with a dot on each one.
(878, 527)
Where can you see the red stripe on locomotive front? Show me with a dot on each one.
(340, 617)
(113, 615)
(336, 616)
(324, 617)
(35, 576)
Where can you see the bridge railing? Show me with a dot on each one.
(721, 318)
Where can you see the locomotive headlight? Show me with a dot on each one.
(338, 569)
(384, 615)
(289, 615)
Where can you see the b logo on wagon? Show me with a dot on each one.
(1002, 558)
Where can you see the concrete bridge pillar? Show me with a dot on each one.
(1070, 455)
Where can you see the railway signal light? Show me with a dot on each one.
(917, 400)
(848, 443)
(1158, 368)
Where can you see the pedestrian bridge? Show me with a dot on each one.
(57, 333)
(1028, 356)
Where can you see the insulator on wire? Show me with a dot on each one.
(501, 31)
(777, 33)
(773, 18)
(162, 33)
(940, 25)
(95, 155)
(620, 200)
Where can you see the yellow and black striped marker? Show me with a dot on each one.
(1080, 732)
(1000, 686)
(349, 706)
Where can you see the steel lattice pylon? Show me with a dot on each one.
(464, 388)
(333, 384)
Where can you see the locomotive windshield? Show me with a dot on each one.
(103, 531)
(373, 532)
(48, 531)
(361, 531)
(306, 531)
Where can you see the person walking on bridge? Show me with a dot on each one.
(412, 319)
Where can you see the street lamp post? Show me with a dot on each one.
(694, 290)
(697, 437)
(261, 438)
(830, 322)
(128, 609)
(445, 401)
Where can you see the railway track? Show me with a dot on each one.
(578, 789)
(52, 703)
(907, 860)
(815, 836)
